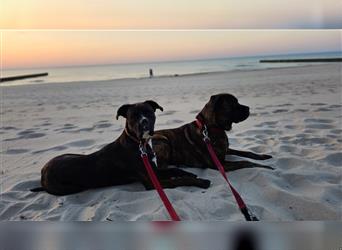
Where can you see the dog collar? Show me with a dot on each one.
(200, 124)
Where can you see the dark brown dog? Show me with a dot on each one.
(117, 163)
(185, 145)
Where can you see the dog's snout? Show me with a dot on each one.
(146, 127)
(242, 114)
(247, 109)
(144, 123)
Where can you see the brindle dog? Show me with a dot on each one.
(117, 163)
(184, 146)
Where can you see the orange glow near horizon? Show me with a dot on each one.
(177, 14)
(30, 49)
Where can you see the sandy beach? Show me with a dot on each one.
(296, 116)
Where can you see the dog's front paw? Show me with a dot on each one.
(203, 183)
(267, 167)
(182, 173)
(265, 157)
(187, 174)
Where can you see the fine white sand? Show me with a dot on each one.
(295, 116)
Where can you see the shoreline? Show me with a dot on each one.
(163, 76)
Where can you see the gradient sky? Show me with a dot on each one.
(109, 14)
(25, 49)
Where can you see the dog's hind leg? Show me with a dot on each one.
(248, 154)
(64, 190)
(235, 165)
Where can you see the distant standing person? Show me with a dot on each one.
(151, 73)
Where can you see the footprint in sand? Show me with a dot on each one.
(299, 110)
(335, 106)
(316, 123)
(103, 124)
(322, 109)
(81, 143)
(284, 105)
(33, 136)
(28, 134)
(289, 149)
(82, 130)
(280, 111)
(317, 104)
(319, 126)
(56, 148)
(318, 120)
(66, 128)
(270, 124)
(9, 128)
(293, 126)
(336, 131)
(334, 159)
(69, 126)
(44, 124)
(309, 131)
(15, 151)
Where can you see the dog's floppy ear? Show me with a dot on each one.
(154, 105)
(215, 100)
(122, 111)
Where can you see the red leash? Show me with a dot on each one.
(243, 208)
(172, 212)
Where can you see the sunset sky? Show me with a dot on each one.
(94, 39)
(26, 49)
(109, 14)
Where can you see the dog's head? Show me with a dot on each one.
(223, 110)
(140, 118)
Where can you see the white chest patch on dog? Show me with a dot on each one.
(154, 159)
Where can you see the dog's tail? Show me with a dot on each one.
(38, 189)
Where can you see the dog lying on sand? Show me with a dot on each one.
(184, 146)
(117, 163)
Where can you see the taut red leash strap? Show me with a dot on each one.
(238, 198)
(172, 212)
